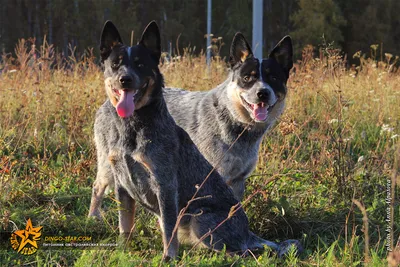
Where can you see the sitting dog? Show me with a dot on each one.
(247, 103)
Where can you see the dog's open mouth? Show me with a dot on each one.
(126, 100)
(259, 111)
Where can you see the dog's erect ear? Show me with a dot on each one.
(240, 50)
(151, 40)
(109, 38)
(283, 54)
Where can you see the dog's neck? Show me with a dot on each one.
(141, 123)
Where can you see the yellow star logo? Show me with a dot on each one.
(29, 236)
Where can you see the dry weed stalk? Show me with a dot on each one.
(365, 228)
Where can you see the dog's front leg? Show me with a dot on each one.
(164, 184)
(237, 185)
(126, 212)
(104, 179)
(167, 196)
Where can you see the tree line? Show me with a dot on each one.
(349, 25)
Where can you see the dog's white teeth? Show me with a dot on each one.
(262, 105)
(117, 92)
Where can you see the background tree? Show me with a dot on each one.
(351, 25)
(317, 18)
(371, 22)
(277, 21)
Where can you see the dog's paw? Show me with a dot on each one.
(94, 216)
(167, 259)
(284, 247)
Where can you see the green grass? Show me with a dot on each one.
(336, 142)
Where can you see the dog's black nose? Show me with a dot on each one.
(263, 95)
(125, 80)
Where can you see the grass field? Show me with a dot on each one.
(333, 156)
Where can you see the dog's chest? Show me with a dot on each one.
(237, 162)
(131, 173)
(135, 179)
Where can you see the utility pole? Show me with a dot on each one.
(258, 28)
(208, 47)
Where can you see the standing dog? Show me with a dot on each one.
(252, 97)
(153, 161)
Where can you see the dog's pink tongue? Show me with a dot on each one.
(260, 111)
(126, 106)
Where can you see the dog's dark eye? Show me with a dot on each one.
(140, 65)
(246, 79)
(115, 65)
(272, 78)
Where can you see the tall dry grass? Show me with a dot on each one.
(334, 143)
